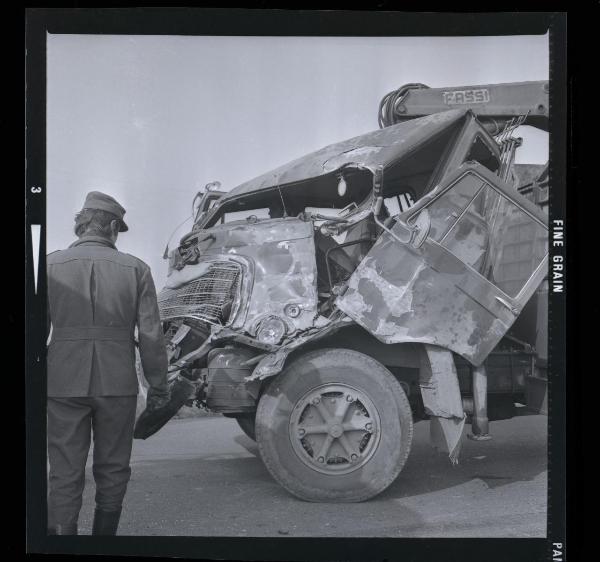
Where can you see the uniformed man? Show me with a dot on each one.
(97, 296)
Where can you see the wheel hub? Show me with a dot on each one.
(335, 429)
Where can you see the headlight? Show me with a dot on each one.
(270, 330)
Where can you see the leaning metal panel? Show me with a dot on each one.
(208, 298)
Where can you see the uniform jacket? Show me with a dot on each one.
(96, 298)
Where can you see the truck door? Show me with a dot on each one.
(455, 270)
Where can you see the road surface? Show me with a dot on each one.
(203, 477)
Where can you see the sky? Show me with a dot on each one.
(151, 119)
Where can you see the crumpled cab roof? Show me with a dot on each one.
(379, 148)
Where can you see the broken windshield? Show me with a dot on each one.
(291, 200)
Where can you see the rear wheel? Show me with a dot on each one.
(334, 426)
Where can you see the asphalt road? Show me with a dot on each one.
(203, 477)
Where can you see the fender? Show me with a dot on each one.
(438, 381)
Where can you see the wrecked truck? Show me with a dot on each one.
(333, 302)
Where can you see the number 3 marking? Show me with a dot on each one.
(36, 190)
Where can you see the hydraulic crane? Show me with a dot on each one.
(494, 104)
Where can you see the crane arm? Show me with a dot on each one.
(494, 104)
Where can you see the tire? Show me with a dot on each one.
(343, 460)
(246, 423)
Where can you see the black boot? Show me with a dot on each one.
(105, 522)
(70, 529)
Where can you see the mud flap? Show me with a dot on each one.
(438, 381)
(151, 421)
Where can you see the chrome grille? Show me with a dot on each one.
(208, 298)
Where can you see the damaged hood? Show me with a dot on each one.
(380, 148)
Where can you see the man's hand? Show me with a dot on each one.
(157, 399)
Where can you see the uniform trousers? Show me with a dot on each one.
(71, 424)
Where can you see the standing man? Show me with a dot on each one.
(97, 296)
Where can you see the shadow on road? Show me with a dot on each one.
(513, 457)
(207, 479)
(497, 463)
(248, 444)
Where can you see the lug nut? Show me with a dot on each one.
(321, 459)
(315, 401)
(369, 426)
(349, 398)
(353, 456)
(301, 432)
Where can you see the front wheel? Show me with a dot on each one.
(334, 426)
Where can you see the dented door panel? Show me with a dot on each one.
(431, 298)
(429, 294)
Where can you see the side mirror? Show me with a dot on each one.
(422, 226)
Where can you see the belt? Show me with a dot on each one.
(92, 333)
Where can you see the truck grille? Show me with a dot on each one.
(208, 298)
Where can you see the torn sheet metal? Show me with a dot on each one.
(377, 148)
(438, 380)
(445, 434)
(273, 363)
